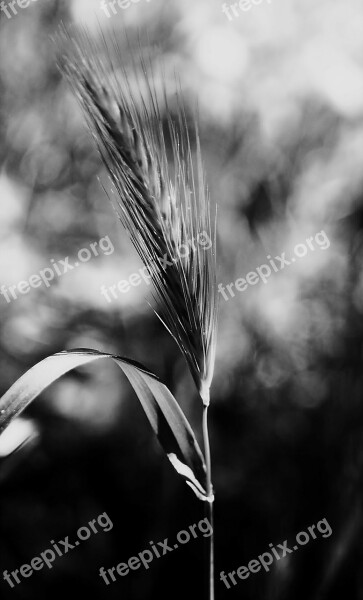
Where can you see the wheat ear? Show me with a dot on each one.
(161, 208)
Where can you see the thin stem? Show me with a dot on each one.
(209, 507)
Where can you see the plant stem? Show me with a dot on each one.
(209, 508)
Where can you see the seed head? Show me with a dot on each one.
(164, 205)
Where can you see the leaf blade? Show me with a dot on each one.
(162, 410)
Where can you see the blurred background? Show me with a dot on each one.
(280, 95)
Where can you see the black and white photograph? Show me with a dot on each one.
(181, 299)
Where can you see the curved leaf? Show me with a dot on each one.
(164, 413)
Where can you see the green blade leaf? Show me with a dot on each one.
(164, 413)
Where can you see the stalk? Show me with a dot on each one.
(209, 506)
